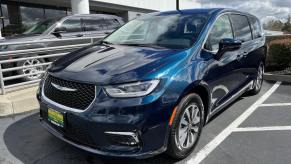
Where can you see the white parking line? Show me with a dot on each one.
(276, 104)
(267, 128)
(206, 150)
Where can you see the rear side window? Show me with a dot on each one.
(112, 24)
(221, 30)
(72, 25)
(242, 30)
(94, 24)
(256, 27)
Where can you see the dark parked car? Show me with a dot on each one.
(77, 27)
(151, 85)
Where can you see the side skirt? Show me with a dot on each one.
(230, 100)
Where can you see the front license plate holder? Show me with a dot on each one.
(55, 117)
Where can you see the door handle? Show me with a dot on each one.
(79, 35)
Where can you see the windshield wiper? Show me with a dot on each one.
(143, 45)
(106, 42)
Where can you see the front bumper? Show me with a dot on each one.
(87, 130)
(100, 152)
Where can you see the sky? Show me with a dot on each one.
(264, 9)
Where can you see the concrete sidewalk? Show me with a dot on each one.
(18, 101)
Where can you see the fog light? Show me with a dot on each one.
(123, 138)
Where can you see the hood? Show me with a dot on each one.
(114, 64)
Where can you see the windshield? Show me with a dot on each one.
(40, 27)
(170, 31)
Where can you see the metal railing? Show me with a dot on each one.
(10, 81)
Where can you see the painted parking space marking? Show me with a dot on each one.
(275, 104)
(207, 149)
(257, 129)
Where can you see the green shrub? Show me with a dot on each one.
(279, 55)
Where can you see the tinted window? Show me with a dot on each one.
(241, 27)
(221, 30)
(40, 27)
(94, 24)
(111, 24)
(72, 25)
(256, 27)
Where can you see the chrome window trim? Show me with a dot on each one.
(47, 100)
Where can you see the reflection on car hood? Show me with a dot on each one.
(113, 64)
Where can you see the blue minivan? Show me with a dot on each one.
(151, 85)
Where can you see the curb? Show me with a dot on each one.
(274, 77)
(18, 102)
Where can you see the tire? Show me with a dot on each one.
(178, 149)
(30, 70)
(257, 85)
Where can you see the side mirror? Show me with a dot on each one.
(227, 45)
(58, 31)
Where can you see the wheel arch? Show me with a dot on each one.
(202, 89)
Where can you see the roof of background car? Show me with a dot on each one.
(93, 15)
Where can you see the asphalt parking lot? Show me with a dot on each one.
(254, 129)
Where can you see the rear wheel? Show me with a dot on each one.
(258, 82)
(186, 127)
(31, 70)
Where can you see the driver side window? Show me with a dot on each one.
(221, 30)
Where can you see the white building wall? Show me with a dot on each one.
(159, 5)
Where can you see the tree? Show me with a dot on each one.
(274, 25)
(287, 26)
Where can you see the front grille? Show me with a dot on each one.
(80, 99)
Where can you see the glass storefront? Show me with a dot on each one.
(4, 16)
(18, 17)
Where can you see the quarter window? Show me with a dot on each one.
(111, 24)
(221, 30)
(242, 30)
(256, 27)
(94, 24)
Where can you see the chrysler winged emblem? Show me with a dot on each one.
(63, 88)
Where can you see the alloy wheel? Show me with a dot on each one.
(188, 127)
(31, 70)
(259, 80)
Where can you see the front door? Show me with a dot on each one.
(222, 75)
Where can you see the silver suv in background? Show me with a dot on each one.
(76, 27)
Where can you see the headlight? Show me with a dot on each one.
(137, 89)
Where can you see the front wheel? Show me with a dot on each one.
(258, 82)
(186, 127)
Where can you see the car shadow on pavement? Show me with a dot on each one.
(28, 141)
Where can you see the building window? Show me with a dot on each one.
(18, 17)
(4, 17)
(52, 13)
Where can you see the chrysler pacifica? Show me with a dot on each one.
(150, 86)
